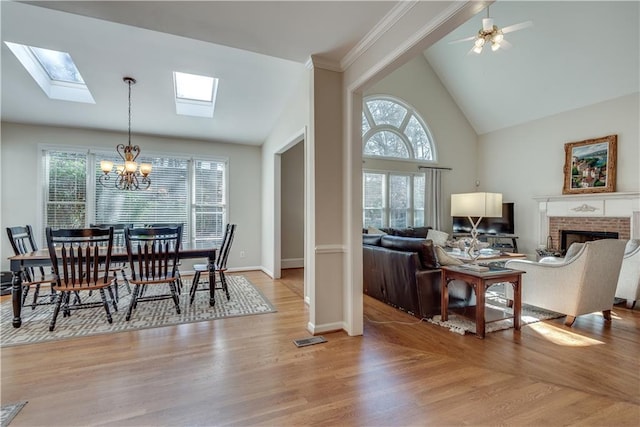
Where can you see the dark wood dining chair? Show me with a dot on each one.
(80, 260)
(172, 225)
(118, 244)
(153, 260)
(22, 242)
(220, 266)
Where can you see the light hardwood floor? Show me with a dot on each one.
(247, 371)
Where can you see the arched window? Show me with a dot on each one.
(392, 128)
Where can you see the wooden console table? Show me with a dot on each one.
(480, 282)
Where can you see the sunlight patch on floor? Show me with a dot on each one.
(560, 336)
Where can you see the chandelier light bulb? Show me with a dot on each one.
(145, 169)
(130, 166)
(106, 166)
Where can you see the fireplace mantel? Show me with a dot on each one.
(590, 205)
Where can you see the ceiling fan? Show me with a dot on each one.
(490, 33)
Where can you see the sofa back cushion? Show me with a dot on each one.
(407, 232)
(371, 239)
(424, 248)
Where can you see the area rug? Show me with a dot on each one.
(245, 300)
(9, 411)
(464, 325)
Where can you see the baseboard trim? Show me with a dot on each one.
(326, 328)
(292, 263)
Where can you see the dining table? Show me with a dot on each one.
(41, 258)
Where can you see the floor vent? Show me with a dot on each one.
(303, 342)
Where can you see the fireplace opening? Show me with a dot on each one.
(579, 236)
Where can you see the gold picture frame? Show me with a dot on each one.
(590, 165)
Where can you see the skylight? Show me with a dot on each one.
(195, 95)
(54, 71)
(58, 65)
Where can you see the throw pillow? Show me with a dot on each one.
(428, 255)
(573, 251)
(373, 230)
(445, 259)
(439, 237)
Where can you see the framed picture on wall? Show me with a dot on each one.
(590, 165)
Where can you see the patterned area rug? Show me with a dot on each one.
(10, 411)
(245, 300)
(464, 325)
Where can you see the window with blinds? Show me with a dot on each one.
(65, 198)
(209, 201)
(191, 192)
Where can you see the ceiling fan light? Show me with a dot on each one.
(495, 46)
(479, 42)
(477, 49)
(497, 37)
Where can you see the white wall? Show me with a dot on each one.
(455, 140)
(292, 202)
(20, 161)
(287, 131)
(527, 160)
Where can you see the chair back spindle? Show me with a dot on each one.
(80, 257)
(153, 252)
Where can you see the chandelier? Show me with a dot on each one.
(127, 175)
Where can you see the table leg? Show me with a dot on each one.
(16, 298)
(444, 298)
(479, 287)
(517, 303)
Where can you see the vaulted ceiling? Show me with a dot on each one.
(576, 54)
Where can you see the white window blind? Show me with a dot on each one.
(209, 201)
(183, 191)
(165, 201)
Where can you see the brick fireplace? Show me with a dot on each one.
(599, 213)
(599, 228)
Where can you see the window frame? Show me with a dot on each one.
(397, 130)
(386, 209)
(93, 155)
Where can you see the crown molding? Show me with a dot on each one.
(456, 7)
(386, 23)
(315, 61)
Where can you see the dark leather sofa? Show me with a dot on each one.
(404, 272)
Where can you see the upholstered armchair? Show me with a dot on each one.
(581, 284)
(629, 280)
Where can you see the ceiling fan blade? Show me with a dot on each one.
(505, 45)
(466, 39)
(516, 27)
(472, 51)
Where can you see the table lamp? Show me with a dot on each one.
(476, 205)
